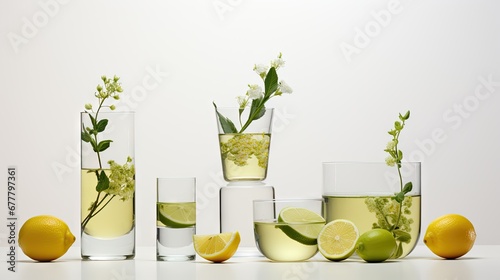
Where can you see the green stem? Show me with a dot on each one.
(398, 163)
(94, 211)
(251, 117)
(400, 203)
(96, 203)
(111, 198)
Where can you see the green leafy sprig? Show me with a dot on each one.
(122, 177)
(391, 212)
(256, 97)
(396, 155)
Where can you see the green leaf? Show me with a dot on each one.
(397, 125)
(103, 182)
(103, 145)
(405, 117)
(86, 136)
(257, 110)
(399, 251)
(227, 125)
(101, 125)
(407, 188)
(400, 155)
(94, 144)
(399, 197)
(270, 83)
(402, 236)
(92, 120)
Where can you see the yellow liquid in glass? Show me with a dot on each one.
(244, 156)
(116, 219)
(277, 246)
(355, 210)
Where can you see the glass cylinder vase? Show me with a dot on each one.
(244, 155)
(375, 195)
(107, 186)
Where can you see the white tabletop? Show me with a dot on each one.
(482, 262)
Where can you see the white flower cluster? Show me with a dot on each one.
(121, 179)
(255, 91)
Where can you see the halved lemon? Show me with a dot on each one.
(177, 215)
(337, 240)
(217, 247)
(302, 225)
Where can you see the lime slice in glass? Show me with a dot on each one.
(301, 225)
(337, 240)
(177, 215)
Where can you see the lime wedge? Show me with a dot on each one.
(301, 225)
(337, 240)
(177, 215)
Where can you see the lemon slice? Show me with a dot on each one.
(302, 225)
(177, 215)
(337, 240)
(217, 247)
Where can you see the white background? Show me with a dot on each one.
(353, 65)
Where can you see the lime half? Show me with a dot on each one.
(177, 215)
(301, 225)
(337, 240)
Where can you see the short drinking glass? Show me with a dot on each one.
(287, 230)
(175, 219)
(375, 195)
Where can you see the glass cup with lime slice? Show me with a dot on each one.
(287, 229)
(175, 219)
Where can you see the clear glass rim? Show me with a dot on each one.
(237, 108)
(367, 162)
(274, 200)
(109, 112)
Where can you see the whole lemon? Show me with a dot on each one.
(45, 238)
(450, 236)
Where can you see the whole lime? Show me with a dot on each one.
(376, 245)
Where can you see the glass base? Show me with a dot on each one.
(175, 244)
(173, 258)
(248, 252)
(236, 211)
(106, 249)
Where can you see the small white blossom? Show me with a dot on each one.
(261, 69)
(242, 100)
(121, 179)
(255, 92)
(277, 63)
(390, 161)
(284, 87)
(88, 106)
(391, 145)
